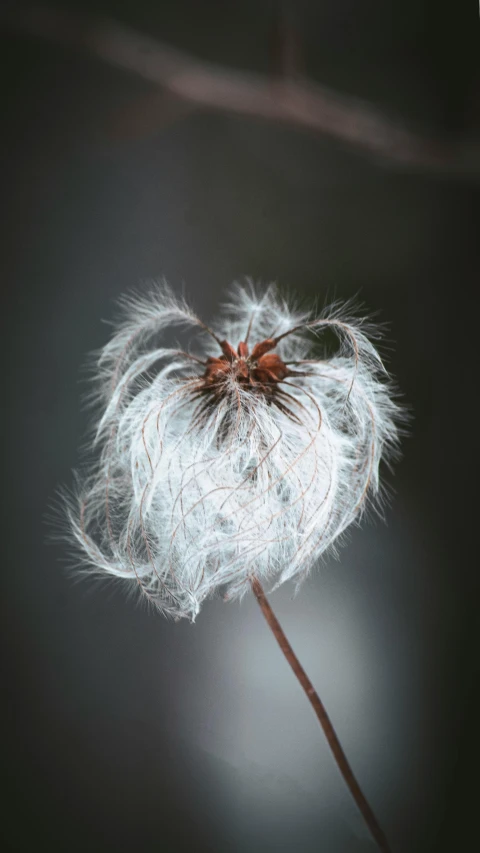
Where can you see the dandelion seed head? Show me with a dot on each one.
(248, 457)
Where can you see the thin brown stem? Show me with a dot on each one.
(323, 719)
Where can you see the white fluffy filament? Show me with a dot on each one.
(189, 495)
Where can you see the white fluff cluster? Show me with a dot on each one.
(193, 492)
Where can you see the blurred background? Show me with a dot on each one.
(127, 732)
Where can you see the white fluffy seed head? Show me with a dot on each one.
(212, 472)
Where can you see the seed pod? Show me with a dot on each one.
(247, 459)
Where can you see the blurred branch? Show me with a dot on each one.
(290, 100)
(286, 44)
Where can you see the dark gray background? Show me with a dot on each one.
(127, 732)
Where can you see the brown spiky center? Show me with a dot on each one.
(259, 371)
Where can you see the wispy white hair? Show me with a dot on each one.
(188, 496)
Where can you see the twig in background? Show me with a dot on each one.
(288, 99)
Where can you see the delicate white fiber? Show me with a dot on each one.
(203, 484)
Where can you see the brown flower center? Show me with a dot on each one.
(261, 370)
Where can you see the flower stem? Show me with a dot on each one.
(323, 719)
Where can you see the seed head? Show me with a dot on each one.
(246, 458)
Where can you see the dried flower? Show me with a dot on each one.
(247, 459)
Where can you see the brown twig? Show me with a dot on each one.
(323, 719)
(286, 98)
